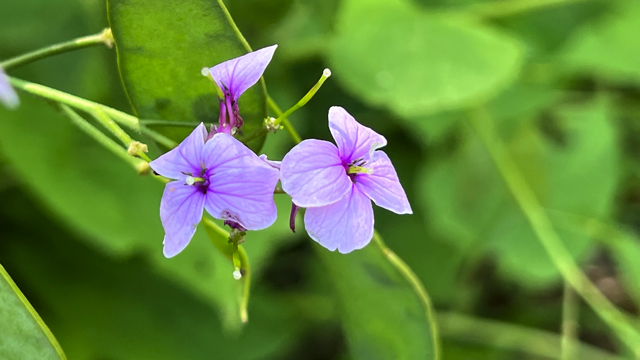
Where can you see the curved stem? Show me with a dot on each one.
(103, 38)
(547, 235)
(415, 282)
(570, 308)
(287, 125)
(150, 122)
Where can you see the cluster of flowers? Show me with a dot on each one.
(335, 183)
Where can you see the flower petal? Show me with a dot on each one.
(180, 211)
(383, 185)
(346, 225)
(354, 140)
(241, 184)
(187, 157)
(313, 175)
(241, 73)
(8, 96)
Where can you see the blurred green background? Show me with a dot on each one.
(81, 236)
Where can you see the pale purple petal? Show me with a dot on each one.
(180, 211)
(346, 225)
(8, 96)
(383, 185)
(186, 158)
(272, 163)
(354, 140)
(241, 184)
(241, 73)
(313, 175)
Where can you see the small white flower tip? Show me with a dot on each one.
(190, 180)
(326, 72)
(205, 71)
(237, 275)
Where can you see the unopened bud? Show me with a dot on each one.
(143, 168)
(136, 148)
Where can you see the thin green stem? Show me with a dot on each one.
(103, 38)
(133, 147)
(234, 27)
(325, 75)
(219, 238)
(520, 339)
(45, 329)
(141, 166)
(287, 125)
(570, 308)
(417, 286)
(548, 237)
(149, 122)
(120, 117)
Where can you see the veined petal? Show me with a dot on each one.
(180, 211)
(383, 185)
(313, 175)
(354, 140)
(240, 184)
(186, 158)
(241, 73)
(8, 96)
(346, 225)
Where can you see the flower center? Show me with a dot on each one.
(202, 183)
(357, 167)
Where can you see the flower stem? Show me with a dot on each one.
(90, 107)
(287, 125)
(417, 286)
(325, 75)
(103, 38)
(141, 166)
(117, 131)
(547, 235)
(570, 307)
(149, 122)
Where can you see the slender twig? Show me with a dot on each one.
(417, 286)
(141, 166)
(547, 235)
(103, 38)
(570, 308)
(45, 329)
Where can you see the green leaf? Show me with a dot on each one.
(417, 64)
(162, 47)
(382, 315)
(468, 202)
(604, 48)
(24, 334)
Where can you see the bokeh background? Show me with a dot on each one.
(81, 236)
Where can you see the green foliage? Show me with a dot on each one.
(382, 315)
(162, 46)
(24, 334)
(470, 203)
(421, 64)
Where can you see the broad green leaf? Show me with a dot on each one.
(417, 64)
(608, 48)
(162, 47)
(468, 202)
(23, 334)
(381, 314)
(101, 307)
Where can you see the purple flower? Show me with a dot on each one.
(7, 95)
(234, 77)
(220, 175)
(337, 184)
